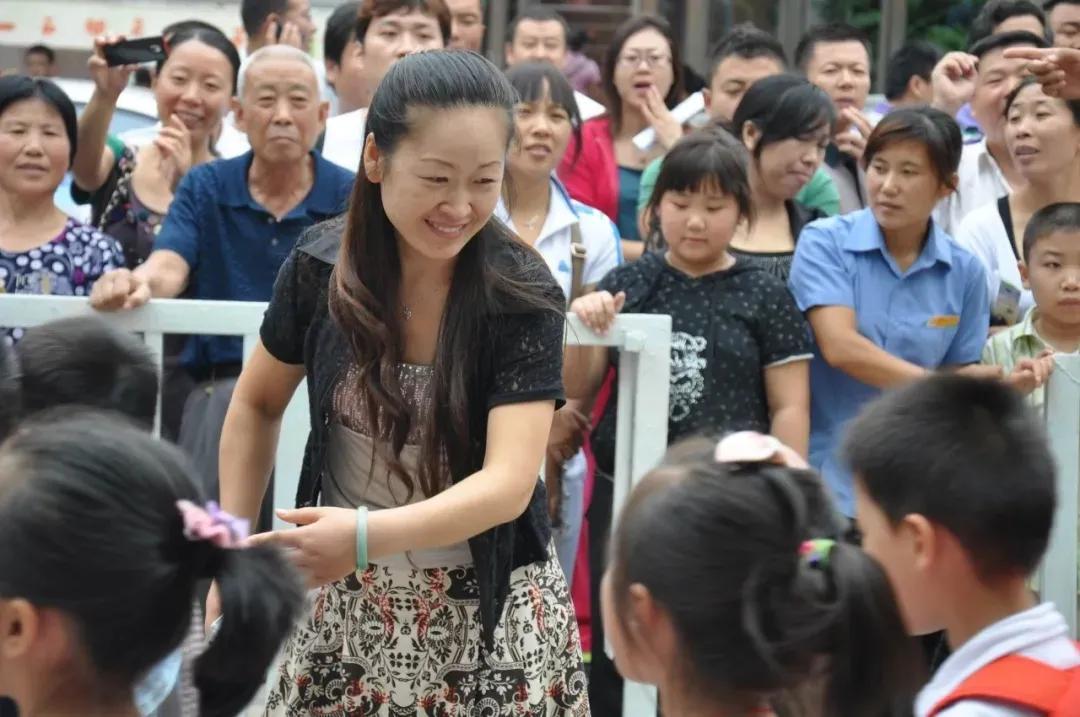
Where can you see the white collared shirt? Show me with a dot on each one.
(603, 252)
(983, 232)
(343, 142)
(1040, 633)
(587, 107)
(981, 182)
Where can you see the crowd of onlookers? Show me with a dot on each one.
(823, 260)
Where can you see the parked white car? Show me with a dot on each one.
(135, 109)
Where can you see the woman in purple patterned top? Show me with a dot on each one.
(42, 250)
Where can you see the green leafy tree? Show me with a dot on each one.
(942, 23)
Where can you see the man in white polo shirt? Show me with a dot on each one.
(985, 77)
(539, 33)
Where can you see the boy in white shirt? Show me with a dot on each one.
(955, 493)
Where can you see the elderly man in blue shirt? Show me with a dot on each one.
(233, 222)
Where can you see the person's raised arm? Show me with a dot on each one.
(1056, 68)
(93, 159)
(953, 82)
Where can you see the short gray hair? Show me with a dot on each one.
(274, 52)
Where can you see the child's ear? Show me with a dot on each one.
(921, 538)
(19, 628)
(1024, 275)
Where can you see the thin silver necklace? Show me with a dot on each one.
(531, 224)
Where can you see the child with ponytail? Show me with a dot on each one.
(729, 589)
(104, 537)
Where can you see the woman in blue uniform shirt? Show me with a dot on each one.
(888, 294)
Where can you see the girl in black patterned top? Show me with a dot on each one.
(740, 348)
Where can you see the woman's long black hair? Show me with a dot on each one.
(486, 288)
(89, 526)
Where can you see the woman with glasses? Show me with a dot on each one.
(642, 78)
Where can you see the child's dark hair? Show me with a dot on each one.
(1053, 218)
(10, 391)
(708, 158)
(16, 88)
(83, 361)
(970, 456)
(784, 107)
(86, 499)
(532, 80)
(718, 547)
(932, 128)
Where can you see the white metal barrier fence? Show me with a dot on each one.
(177, 316)
(644, 367)
(1058, 578)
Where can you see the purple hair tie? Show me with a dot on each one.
(212, 524)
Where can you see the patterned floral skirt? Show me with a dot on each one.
(397, 642)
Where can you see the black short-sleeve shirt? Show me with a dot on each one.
(727, 327)
(519, 361)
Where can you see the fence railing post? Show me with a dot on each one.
(641, 425)
(1058, 577)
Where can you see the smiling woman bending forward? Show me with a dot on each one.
(432, 345)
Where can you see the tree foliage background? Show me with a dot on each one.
(942, 22)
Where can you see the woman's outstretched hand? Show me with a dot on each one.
(322, 546)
